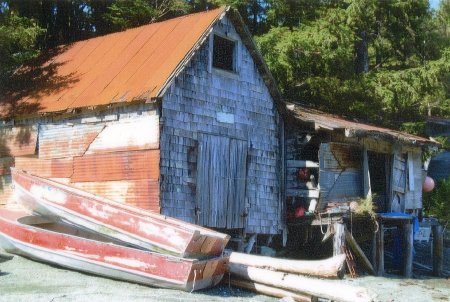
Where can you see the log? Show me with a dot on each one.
(359, 253)
(438, 250)
(269, 290)
(328, 268)
(335, 291)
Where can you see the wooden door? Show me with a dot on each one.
(398, 182)
(221, 181)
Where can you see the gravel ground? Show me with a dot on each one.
(24, 280)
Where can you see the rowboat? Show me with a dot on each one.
(119, 221)
(48, 240)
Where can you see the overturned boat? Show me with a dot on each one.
(49, 240)
(123, 222)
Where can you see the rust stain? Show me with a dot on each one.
(129, 165)
(121, 66)
(142, 193)
(57, 168)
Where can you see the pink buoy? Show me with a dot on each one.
(428, 184)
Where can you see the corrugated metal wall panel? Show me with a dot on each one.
(59, 141)
(58, 167)
(117, 166)
(5, 164)
(143, 193)
(18, 141)
(131, 134)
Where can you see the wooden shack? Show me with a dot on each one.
(334, 160)
(178, 117)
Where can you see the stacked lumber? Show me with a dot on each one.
(298, 279)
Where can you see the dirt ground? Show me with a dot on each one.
(24, 280)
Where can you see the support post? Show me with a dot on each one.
(438, 250)
(373, 256)
(338, 238)
(380, 249)
(408, 249)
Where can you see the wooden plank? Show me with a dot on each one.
(359, 253)
(270, 290)
(18, 141)
(117, 166)
(137, 133)
(301, 164)
(303, 193)
(54, 168)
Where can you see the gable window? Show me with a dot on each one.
(224, 53)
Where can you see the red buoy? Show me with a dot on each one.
(428, 184)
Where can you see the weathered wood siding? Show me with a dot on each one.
(340, 176)
(112, 153)
(202, 100)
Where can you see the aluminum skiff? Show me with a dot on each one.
(48, 240)
(130, 224)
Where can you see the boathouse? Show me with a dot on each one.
(178, 117)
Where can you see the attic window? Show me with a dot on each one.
(224, 53)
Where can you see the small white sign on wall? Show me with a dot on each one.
(225, 117)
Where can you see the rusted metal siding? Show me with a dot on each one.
(237, 106)
(55, 167)
(59, 141)
(140, 133)
(143, 193)
(116, 153)
(119, 67)
(18, 141)
(5, 164)
(116, 166)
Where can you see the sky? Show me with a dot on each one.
(434, 4)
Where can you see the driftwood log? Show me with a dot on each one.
(333, 290)
(269, 290)
(328, 268)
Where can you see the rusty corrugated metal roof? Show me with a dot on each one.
(333, 122)
(119, 67)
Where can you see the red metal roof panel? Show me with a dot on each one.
(118, 67)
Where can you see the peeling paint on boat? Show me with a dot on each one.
(48, 193)
(128, 262)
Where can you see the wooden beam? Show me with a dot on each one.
(302, 164)
(303, 193)
(438, 250)
(359, 253)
